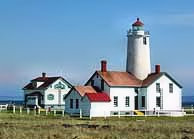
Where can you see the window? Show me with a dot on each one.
(77, 104)
(34, 84)
(92, 82)
(144, 40)
(59, 86)
(71, 103)
(158, 87)
(143, 101)
(50, 97)
(115, 101)
(158, 101)
(102, 85)
(127, 101)
(170, 87)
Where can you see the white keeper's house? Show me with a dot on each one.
(133, 91)
(46, 92)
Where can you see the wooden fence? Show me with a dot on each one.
(61, 112)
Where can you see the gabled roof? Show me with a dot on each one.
(47, 81)
(117, 78)
(125, 79)
(82, 90)
(153, 77)
(98, 97)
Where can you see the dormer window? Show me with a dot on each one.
(59, 86)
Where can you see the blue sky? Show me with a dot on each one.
(69, 38)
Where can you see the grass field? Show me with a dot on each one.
(50, 127)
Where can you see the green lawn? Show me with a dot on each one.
(50, 127)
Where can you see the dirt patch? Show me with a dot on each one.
(67, 125)
(93, 126)
(105, 126)
(187, 130)
(185, 137)
(90, 126)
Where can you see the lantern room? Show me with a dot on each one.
(138, 25)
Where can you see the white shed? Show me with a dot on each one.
(88, 102)
(74, 98)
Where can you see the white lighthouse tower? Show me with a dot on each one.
(138, 51)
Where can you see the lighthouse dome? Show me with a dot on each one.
(138, 25)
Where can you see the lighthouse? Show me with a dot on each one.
(138, 51)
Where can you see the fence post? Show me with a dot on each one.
(28, 111)
(145, 113)
(34, 110)
(158, 113)
(46, 111)
(38, 111)
(90, 114)
(80, 113)
(6, 107)
(63, 113)
(131, 113)
(104, 115)
(13, 109)
(119, 114)
(54, 112)
(20, 110)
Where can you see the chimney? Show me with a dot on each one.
(43, 74)
(103, 66)
(157, 69)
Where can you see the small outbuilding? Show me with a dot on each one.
(87, 101)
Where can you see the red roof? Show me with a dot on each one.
(138, 23)
(98, 97)
(118, 78)
(82, 90)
